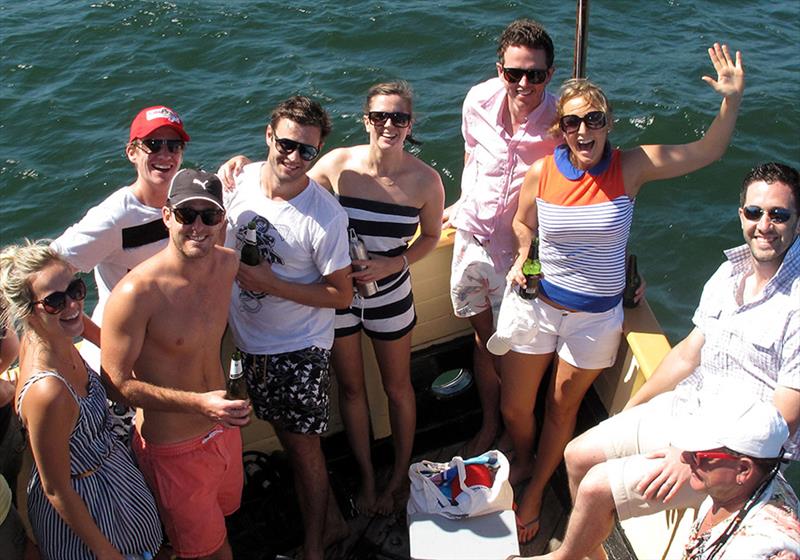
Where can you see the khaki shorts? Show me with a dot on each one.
(628, 437)
(585, 340)
(477, 281)
(196, 483)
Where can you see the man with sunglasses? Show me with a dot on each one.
(282, 311)
(165, 321)
(747, 334)
(127, 228)
(504, 122)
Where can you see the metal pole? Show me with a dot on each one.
(581, 39)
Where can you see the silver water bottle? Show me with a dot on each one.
(358, 251)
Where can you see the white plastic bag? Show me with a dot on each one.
(427, 497)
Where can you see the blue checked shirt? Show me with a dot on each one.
(751, 348)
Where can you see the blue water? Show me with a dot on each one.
(75, 73)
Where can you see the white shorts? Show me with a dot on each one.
(627, 437)
(585, 340)
(477, 281)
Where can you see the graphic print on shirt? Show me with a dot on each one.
(250, 301)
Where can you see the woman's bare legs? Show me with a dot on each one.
(565, 392)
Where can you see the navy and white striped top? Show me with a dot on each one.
(104, 476)
(584, 221)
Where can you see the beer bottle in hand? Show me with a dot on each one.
(532, 269)
(237, 386)
(250, 254)
(632, 283)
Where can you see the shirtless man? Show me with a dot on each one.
(165, 321)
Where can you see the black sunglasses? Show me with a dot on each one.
(286, 147)
(571, 123)
(399, 119)
(154, 145)
(186, 216)
(57, 301)
(776, 215)
(513, 75)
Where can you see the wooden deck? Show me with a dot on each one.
(378, 537)
(386, 537)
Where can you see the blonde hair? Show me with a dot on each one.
(17, 264)
(591, 93)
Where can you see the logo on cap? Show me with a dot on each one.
(162, 113)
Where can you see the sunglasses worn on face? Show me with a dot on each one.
(286, 147)
(776, 215)
(698, 456)
(514, 75)
(154, 145)
(571, 123)
(399, 119)
(187, 216)
(57, 301)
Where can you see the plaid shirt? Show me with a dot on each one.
(751, 348)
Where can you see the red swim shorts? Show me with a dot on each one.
(196, 483)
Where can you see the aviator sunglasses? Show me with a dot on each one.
(514, 75)
(571, 123)
(57, 301)
(186, 216)
(399, 119)
(154, 145)
(776, 215)
(286, 147)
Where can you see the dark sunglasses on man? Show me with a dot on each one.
(776, 215)
(154, 145)
(514, 75)
(57, 301)
(186, 216)
(379, 118)
(286, 147)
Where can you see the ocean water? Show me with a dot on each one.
(75, 73)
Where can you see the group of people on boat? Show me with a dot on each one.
(165, 255)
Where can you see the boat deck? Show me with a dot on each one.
(378, 537)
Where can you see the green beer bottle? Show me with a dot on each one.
(532, 269)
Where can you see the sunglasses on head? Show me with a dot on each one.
(571, 123)
(776, 215)
(399, 119)
(514, 75)
(154, 145)
(186, 216)
(286, 147)
(57, 301)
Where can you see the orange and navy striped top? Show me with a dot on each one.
(584, 222)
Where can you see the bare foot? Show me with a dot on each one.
(526, 530)
(528, 512)
(365, 498)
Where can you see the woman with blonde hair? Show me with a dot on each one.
(86, 498)
(579, 203)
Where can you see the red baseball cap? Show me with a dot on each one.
(151, 118)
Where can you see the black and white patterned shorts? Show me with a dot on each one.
(291, 390)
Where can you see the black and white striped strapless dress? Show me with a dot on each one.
(386, 229)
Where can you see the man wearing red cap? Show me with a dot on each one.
(126, 228)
